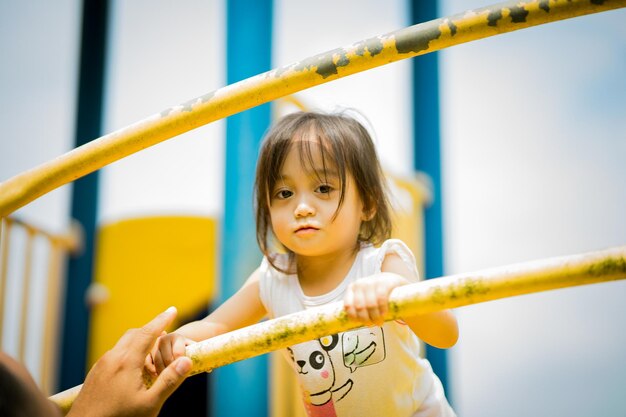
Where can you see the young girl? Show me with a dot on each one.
(320, 209)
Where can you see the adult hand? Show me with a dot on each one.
(115, 385)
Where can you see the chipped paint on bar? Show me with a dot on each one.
(381, 50)
(424, 297)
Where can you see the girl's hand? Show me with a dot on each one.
(367, 299)
(167, 348)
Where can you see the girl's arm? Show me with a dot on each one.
(242, 309)
(439, 329)
(367, 300)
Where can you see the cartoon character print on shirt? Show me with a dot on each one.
(363, 347)
(322, 366)
(316, 373)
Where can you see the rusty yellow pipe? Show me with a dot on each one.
(70, 241)
(424, 297)
(5, 233)
(370, 53)
(51, 330)
(26, 280)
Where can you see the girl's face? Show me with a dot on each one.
(303, 207)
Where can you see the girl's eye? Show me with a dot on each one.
(283, 194)
(324, 189)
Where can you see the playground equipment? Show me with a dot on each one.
(58, 246)
(152, 249)
(419, 298)
(424, 297)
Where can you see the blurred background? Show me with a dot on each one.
(520, 140)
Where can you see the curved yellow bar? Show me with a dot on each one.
(405, 43)
(424, 297)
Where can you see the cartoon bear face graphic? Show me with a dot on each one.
(325, 365)
(315, 368)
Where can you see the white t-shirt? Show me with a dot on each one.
(370, 371)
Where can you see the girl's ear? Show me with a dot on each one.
(368, 214)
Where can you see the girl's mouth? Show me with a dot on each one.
(303, 230)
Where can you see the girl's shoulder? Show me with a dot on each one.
(277, 290)
(280, 262)
(374, 256)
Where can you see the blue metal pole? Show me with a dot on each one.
(84, 192)
(427, 158)
(241, 388)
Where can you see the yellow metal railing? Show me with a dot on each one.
(415, 299)
(5, 230)
(424, 297)
(370, 53)
(58, 245)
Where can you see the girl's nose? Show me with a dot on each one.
(304, 209)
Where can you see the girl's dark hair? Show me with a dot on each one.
(344, 145)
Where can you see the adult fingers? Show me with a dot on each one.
(144, 339)
(149, 365)
(158, 362)
(170, 379)
(140, 341)
(165, 347)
